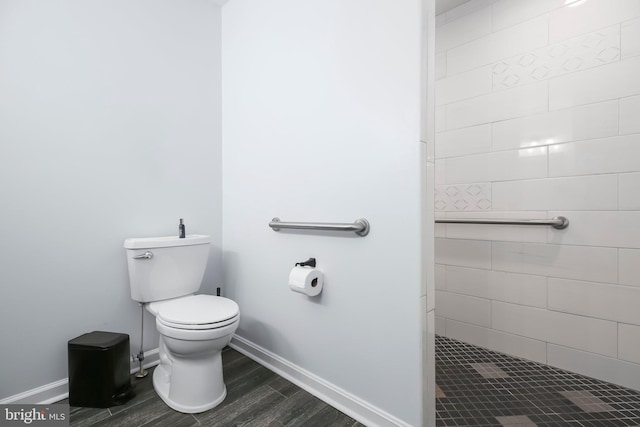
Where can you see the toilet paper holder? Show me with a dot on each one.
(311, 262)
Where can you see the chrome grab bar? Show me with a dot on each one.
(558, 222)
(359, 226)
(146, 255)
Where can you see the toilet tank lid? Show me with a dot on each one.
(166, 242)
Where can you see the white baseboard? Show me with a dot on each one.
(46, 394)
(340, 399)
(59, 390)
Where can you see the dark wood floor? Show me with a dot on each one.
(256, 397)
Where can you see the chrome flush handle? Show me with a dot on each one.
(146, 255)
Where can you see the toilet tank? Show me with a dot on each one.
(166, 267)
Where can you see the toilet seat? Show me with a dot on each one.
(205, 326)
(196, 312)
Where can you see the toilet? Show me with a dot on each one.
(165, 273)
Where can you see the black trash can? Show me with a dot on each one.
(99, 370)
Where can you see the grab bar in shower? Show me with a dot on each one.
(359, 226)
(558, 222)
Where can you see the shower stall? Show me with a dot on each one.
(538, 117)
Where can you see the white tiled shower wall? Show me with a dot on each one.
(538, 115)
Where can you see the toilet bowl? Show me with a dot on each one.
(165, 273)
(193, 331)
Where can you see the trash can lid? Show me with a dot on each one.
(98, 340)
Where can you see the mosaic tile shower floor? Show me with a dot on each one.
(479, 387)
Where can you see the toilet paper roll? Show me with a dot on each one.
(306, 280)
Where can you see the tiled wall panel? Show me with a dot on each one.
(464, 85)
(630, 114)
(589, 16)
(583, 333)
(507, 13)
(441, 119)
(605, 368)
(507, 104)
(465, 141)
(441, 66)
(591, 192)
(441, 277)
(463, 308)
(629, 267)
(468, 281)
(619, 229)
(610, 81)
(466, 9)
(629, 342)
(596, 156)
(518, 288)
(464, 30)
(497, 285)
(599, 300)
(465, 253)
(440, 325)
(630, 38)
(440, 177)
(526, 163)
(511, 41)
(555, 132)
(571, 262)
(573, 124)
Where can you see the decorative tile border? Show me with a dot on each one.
(463, 197)
(575, 54)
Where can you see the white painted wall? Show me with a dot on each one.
(109, 128)
(537, 117)
(321, 123)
